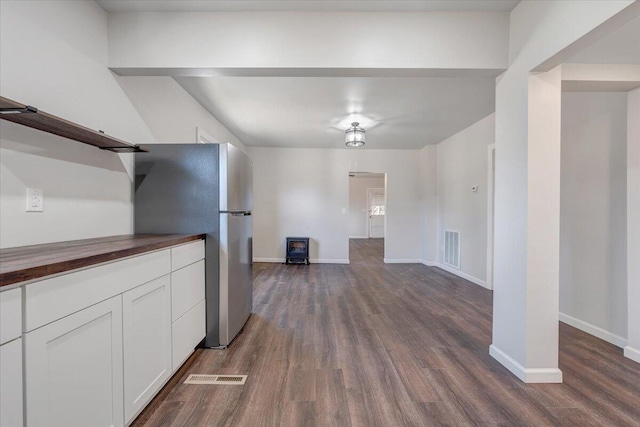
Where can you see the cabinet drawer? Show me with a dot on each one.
(186, 333)
(55, 298)
(187, 289)
(183, 255)
(11, 384)
(10, 315)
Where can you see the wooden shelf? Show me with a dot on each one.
(32, 117)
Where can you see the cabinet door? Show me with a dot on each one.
(11, 384)
(146, 320)
(73, 369)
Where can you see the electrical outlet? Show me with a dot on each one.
(35, 200)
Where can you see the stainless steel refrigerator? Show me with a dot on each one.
(204, 188)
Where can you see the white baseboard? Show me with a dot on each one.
(329, 261)
(402, 261)
(537, 375)
(594, 330)
(430, 263)
(312, 260)
(466, 276)
(632, 353)
(358, 237)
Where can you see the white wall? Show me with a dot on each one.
(593, 232)
(171, 113)
(305, 192)
(307, 40)
(53, 56)
(633, 225)
(429, 204)
(358, 209)
(462, 164)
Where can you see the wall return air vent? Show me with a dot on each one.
(452, 249)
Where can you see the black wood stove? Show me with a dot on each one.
(297, 250)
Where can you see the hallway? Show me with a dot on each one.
(374, 344)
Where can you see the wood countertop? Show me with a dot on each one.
(32, 262)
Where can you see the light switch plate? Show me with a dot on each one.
(35, 200)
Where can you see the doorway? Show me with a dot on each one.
(367, 213)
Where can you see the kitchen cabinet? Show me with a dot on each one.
(11, 358)
(10, 315)
(74, 369)
(187, 289)
(188, 308)
(56, 297)
(11, 384)
(146, 318)
(95, 343)
(187, 332)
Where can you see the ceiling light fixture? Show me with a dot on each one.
(354, 136)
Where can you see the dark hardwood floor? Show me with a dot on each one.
(374, 344)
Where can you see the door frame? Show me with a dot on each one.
(384, 191)
(491, 149)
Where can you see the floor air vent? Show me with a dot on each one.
(216, 379)
(452, 248)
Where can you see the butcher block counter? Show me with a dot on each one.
(32, 262)
(91, 330)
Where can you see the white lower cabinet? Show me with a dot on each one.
(146, 319)
(73, 369)
(11, 384)
(99, 343)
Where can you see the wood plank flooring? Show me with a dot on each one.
(374, 344)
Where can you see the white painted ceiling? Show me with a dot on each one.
(314, 112)
(307, 5)
(397, 113)
(622, 46)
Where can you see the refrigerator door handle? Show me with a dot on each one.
(237, 213)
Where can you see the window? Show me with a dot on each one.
(377, 204)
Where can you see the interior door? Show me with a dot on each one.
(376, 203)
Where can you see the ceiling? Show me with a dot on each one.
(314, 112)
(307, 5)
(285, 111)
(622, 46)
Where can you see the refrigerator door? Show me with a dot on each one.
(236, 275)
(176, 191)
(236, 179)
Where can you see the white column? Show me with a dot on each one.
(632, 350)
(525, 337)
(543, 227)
